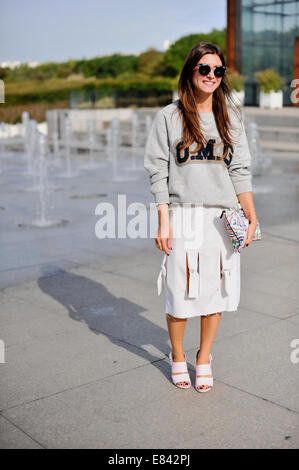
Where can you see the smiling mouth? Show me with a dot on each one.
(208, 82)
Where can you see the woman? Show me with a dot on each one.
(199, 163)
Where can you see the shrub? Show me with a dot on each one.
(269, 80)
(236, 80)
(37, 111)
(150, 62)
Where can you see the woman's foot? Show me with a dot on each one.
(179, 368)
(203, 374)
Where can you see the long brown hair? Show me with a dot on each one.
(187, 101)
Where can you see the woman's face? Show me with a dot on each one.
(207, 84)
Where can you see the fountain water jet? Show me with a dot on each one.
(261, 162)
(109, 145)
(134, 139)
(25, 123)
(30, 145)
(91, 133)
(42, 221)
(67, 139)
(148, 125)
(91, 143)
(56, 150)
(2, 146)
(115, 147)
(114, 150)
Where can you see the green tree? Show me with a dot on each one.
(108, 66)
(150, 62)
(4, 72)
(175, 56)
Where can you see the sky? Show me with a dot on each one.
(59, 30)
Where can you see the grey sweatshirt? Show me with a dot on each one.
(182, 176)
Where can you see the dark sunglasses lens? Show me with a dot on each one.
(219, 71)
(204, 69)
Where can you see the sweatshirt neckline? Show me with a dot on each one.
(206, 115)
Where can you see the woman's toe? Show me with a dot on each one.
(203, 387)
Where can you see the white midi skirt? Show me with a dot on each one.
(201, 275)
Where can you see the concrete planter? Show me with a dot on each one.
(274, 99)
(239, 96)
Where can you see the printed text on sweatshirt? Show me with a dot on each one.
(183, 175)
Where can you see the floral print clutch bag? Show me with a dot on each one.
(236, 224)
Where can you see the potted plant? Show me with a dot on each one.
(237, 83)
(270, 88)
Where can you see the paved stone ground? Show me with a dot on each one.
(86, 338)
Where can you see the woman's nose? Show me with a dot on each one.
(211, 74)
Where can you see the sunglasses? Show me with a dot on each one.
(205, 69)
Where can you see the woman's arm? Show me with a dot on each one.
(163, 237)
(156, 159)
(156, 162)
(247, 203)
(239, 169)
(241, 177)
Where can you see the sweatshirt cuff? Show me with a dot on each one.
(242, 186)
(162, 197)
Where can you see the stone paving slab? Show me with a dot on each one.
(58, 315)
(267, 303)
(114, 413)
(13, 438)
(86, 336)
(49, 365)
(294, 318)
(259, 361)
(25, 322)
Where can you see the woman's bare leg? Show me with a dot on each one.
(209, 326)
(176, 329)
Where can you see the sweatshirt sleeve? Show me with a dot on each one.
(156, 159)
(239, 168)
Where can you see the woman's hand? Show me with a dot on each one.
(247, 203)
(164, 235)
(251, 230)
(163, 238)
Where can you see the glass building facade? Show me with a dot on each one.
(267, 32)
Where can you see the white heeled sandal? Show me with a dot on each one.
(202, 370)
(179, 372)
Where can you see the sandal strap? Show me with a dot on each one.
(179, 371)
(203, 369)
(181, 378)
(179, 367)
(204, 381)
